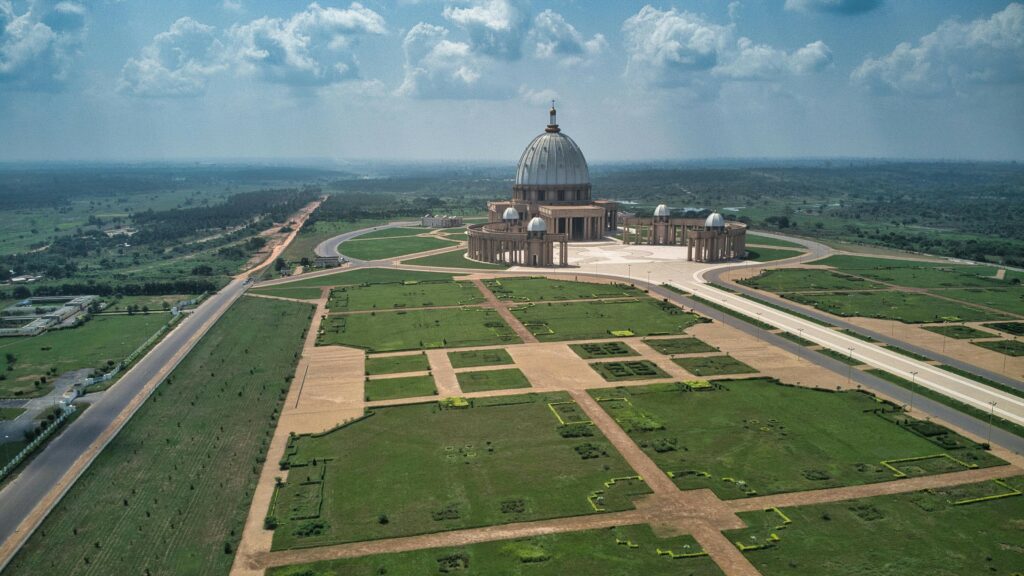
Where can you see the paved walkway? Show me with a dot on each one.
(502, 309)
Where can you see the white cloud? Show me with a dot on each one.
(311, 48)
(176, 63)
(833, 6)
(734, 9)
(680, 49)
(537, 97)
(956, 58)
(554, 38)
(496, 27)
(37, 47)
(233, 6)
(762, 62)
(436, 67)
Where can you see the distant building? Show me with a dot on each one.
(328, 261)
(711, 239)
(33, 316)
(431, 221)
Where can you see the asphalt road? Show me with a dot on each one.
(329, 247)
(19, 499)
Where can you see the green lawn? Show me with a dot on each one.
(1008, 347)
(289, 291)
(766, 241)
(602, 350)
(10, 414)
(907, 307)
(316, 232)
(770, 254)
(608, 552)
(417, 329)
(91, 345)
(472, 358)
(742, 437)
(913, 533)
(154, 303)
(356, 276)
(916, 274)
(1010, 299)
(528, 289)
(713, 365)
(628, 370)
(502, 460)
(598, 319)
(671, 346)
(172, 489)
(390, 247)
(958, 331)
(407, 387)
(1014, 328)
(804, 279)
(397, 295)
(391, 233)
(397, 364)
(492, 380)
(454, 259)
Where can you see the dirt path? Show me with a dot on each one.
(502, 310)
(445, 539)
(869, 490)
(444, 375)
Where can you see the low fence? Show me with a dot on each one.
(9, 467)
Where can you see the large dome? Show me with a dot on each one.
(552, 159)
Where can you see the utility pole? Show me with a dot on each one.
(990, 413)
(913, 386)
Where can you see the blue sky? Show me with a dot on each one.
(470, 79)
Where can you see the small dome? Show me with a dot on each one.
(537, 224)
(714, 220)
(510, 214)
(661, 211)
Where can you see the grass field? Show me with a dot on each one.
(1014, 328)
(753, 436)
(671, 346)
(1009, 299)
(914, 533)
(397, 295)
(713, 365)
(392, 388)
(907, 307)
(417, 329)
(802, 279)
(628, 370)
(288, 291)
(492, 380)
(10, 414)
(397, 364)
(593, 552)
(916, 274)
(766, 241)
(540, 289)
(958, 332)
(91, 345)
(1009, 347)
(598, 319)
(472, 358)
(454, 259)
(390, 247)
(770, 254)
(447, 469)
(170, 493)
(154, 303)
(391, 233)
(357, 276)
(602, 350)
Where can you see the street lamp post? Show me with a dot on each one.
(913, 385)
(629, 273)
(849, 368)
(991, 411)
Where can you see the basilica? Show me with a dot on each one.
(551, 205)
